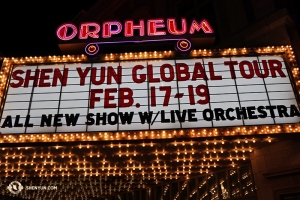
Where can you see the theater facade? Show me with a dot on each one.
(147, 106)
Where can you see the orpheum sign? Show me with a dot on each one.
(149, 94)
(168, 30)
(153, 27)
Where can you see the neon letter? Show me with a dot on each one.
(107, 29)
(172, 28)
(62, 32)
(129, 28)
(153, 25)
(204, 25)
(85, 31)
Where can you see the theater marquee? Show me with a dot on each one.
(149, 95)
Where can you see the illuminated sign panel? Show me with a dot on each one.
(149, 95)
(143, 31)
(153, 27)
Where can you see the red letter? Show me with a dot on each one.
(62, 77)
(231, 67)
(275, 65)
(153, 25)
(182, 69)
(62, 32)
(204, 25)
(44, 77)
(242, 69)
(257, 70)
(202, 91)
(83, 74)
(85, 31)
(16, 77)
(93, 97)
(150, 75)
(198, 67)
(101, 75)
(117, 76)
(172, 29)
(124, 97)
(163, 74)
(107, 28)
(191, 95)
(129, 28)
(167, 95)
(142, 77)
(212, 72)
(107, 98)
(35, 78)
(152, 96)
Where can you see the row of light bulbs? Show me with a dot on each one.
(150, 143)
(171, 134)
(206, 155)
(155, 54)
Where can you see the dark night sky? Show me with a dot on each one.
(28, 27)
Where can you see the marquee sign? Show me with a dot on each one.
(149, 95)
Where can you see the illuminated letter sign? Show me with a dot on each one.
(155, 27)
(204, 25)
(108, 29)
(62, 31)
(85, 31)
(129, 28)
(172, 29)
